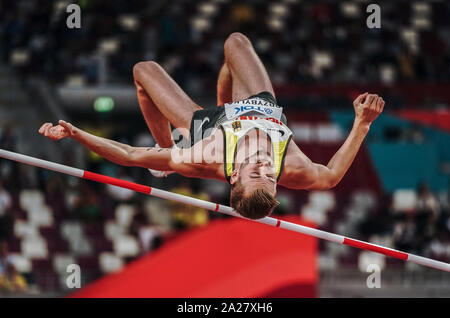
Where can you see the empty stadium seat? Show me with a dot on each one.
(124, 215)
(126, 246)
(302, 132)
(23, 229)
(354, 215)
(72, 231)
(40, 215)
(314, 214)
(329, 133)
(109, 262)
(319, 203)
(81, 246)
(34, 247)
(159, 212)
(383, 240)
(30, 198)
(20, 262)
(322, 199)
(365, 259)
(113, 230)
(404, 200)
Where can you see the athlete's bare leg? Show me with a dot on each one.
(156, 122)
(248, 74)
(162, 102)
(224, 86)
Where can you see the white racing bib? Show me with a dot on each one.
(255, 104)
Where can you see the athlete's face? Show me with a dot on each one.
(257, 172)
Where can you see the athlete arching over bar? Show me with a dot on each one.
(245, 141)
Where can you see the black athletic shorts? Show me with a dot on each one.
(212, 117)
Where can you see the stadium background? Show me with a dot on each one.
(319, 55)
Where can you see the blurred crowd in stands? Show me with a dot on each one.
(422, 227)
(300, 41)
(11, 280)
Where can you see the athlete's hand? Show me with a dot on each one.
(368, 107)
(57, 132)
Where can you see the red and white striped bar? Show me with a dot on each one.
(223, 209)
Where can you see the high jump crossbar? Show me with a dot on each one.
(222, 209)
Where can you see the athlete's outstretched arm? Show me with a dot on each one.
(119, 153)
(181, 160)
(313, 176)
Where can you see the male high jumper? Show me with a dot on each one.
(244, 141)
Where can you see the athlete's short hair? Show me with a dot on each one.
(258, 204)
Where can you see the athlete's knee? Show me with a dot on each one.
(145, 67)
(236, 40)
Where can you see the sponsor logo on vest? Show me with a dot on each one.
(281, 132)
(236, 126)
(259, 105)
(254, 102)
(242, 109)
(205, 120)
(274, 120)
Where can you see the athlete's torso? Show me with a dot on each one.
(242, 118)
(234, 130)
